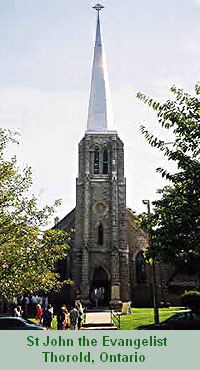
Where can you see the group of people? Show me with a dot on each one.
(71, 319)
(27, 303)
(44, 317)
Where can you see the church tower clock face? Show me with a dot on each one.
(101, 209)
(100, 253)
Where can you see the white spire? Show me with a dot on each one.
(100, 111)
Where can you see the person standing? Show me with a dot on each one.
(80, 314)
(73, 318)
(45, 302)
(96, 297)
(25, 304)
(67, 318)
(47, 317)
(38, 314)
(18, 311)
(51, 309)
(61, 319)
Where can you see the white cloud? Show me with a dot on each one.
(197, 2)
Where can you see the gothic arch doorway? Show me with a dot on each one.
(100, 288)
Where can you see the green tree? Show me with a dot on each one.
(175, 221)
(27, 253)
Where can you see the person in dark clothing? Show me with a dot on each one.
(61, 319)
(80, 314)
(73, 318)
(47, 317)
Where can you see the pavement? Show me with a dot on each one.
(98, 317)
(98, 320)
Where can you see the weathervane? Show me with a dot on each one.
(98, 7)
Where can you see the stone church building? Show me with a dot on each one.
(107, 247)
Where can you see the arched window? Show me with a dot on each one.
(100, 234)
(105, 161)
(140, 268)
(96, 160)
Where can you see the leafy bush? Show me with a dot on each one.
(191, 299)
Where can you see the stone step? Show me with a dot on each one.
(99, 328)
(96, 324)
(98, 309)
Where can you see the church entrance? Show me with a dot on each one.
(100, 288)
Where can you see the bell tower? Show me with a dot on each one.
(101, 250)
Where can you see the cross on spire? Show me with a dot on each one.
(98, 7)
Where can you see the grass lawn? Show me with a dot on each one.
(145, 316)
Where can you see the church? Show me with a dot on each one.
(107, 247)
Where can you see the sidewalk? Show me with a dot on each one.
(98, 317)
(98, 321)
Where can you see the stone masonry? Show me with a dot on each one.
(101, 202)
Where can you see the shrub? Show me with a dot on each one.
(191, 299)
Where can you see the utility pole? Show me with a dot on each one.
(153, 270)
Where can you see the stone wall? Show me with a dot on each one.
(100, 202)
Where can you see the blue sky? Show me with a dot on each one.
(46, 51)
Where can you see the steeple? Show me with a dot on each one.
(100, 111)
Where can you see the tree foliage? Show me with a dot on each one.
(175, 221)
(27, 253)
